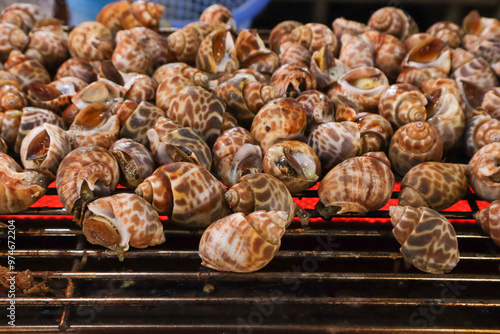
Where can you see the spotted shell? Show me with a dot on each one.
(472, 95)
(90, 40)
(294, 163)
(280, 33)
(252, 52)
(491, 102)
(32, 117)
(358, 184)
(83, 69)
(11, 38)
(135, 161)
(412, 144)
(375, 132)
(218, 14)
(217, 54)
(435, 185)
(433, 88)
(235, 155)
(12, 97)
(97, 92)
(23, 15)
(280, 119)
(244, 96)
(85, 174)
(240, 243)
(140, 121)
(318, 107)
(199, 109)
(428, 240)
(294, 53)
(10, 121)
(446, 115)
(168, 89)
(188, 194)
(314, 36)
(449, 32)
(484, 172)
(260, 191)
(326, 68)
(355, 52)
(292, 79)
(403, 103)
(393, 21)
(334, 142)
(122, 220)
(26, 71)
(477, 70)
(20, 189)
(44, 147)
(56, 96)
(489, 218)
(122, 15)
(165, 71)
(342, 26)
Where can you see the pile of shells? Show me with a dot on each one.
(217, 129)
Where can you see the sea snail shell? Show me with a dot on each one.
(135, 160)
(489, 218)
(240, 243)
(484, 172)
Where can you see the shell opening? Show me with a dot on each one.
(128, 167)
(100, 231)
(301, 164)
(247, 160)
(92, 117)
(38, 148)
(366, 83)
(44, 92)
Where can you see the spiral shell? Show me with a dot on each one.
(358, 184)
(318, 107)
(393, 21)
(26, 71)
(135, 161)
(90, 40)
(188, 194)
(97, 92)
(252, 52)
(85, 174)
(140, 121)
(484, 172)
(199, 109)
(491, 102)
(165, 71)
(122, 220)
(326, 68)
(294, 163)
(489, 218)
(44, 147)
(428, 240)
(334, 142)
(342, 26)
(244, 97)
(122, 15)
(478, 71)
(281, 32)
(23, 15)
(403, 103)
(412, 144)
(375, 132)
(449, 32)
(242, 244)
(11, 38)
(217, 53)
(362, 87)
(218, 14)
(314, 36)
(355, 52)
(293, 79)
(295, 53)
(260, 191)
(280, 119)
(20, 189)
(33, 117)
(235, 155)
(446, 115)
(436, 88)
(435, 185)
(83, 69)
(12, 96)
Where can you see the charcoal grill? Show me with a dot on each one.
(344, 275)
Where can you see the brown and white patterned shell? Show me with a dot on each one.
(433, 88)
(97, 92)
(33, 117)
(430, 58)
(168, 89)
(428, 240)
(185, 42)
(199, 109)
(449, 32)
(20, 189)
(490, 50)
(359, 184)
(51, 97)
(416, 39)
(181, 144)
(217, 54)
(122, 15)
(375, 132)
(314, 36)
(479, 29)
(484, 172)
(188, 194)
(446, 115)
(294, 53)
(12, 97)
(362, 87)
(135, 161)
(252, 52)
(83, 69)
(489, 218)
(260, 191)
(342, 26)
(235, 155)
(472, 95)
(23, 15)
(491, 102)
(403, 103)
(460, 57)
(355, 52)
(242, 244)
(477, 70)
(318, 107)
(294, 163)
(280, 119)
(335, 142)
(94, 126)
(11, 38)
(10, 121)
(326, 68)
(281, 33)
(244, 97)
(44, 147)
(482, 130)
(293, 79)
(90, 40)
(122, 220)
(218, 14)
(434, 185)
(412, 144)
(26, 71)
(48, 43)
(393, 21)
(140, 121)
(85, 174)
(198, 77)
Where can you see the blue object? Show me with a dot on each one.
(177, 12)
